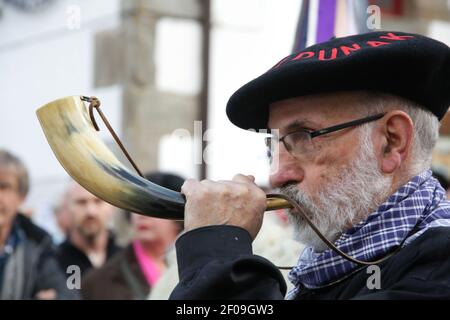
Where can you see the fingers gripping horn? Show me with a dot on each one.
(72, 135)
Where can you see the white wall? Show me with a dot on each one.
(41, 59)
(248, 38)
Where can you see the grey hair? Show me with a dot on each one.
(9, 161)
(426, 124)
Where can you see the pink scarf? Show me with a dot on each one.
(148, 266)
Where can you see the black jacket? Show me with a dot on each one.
(225, 268)
(69, 255)
(32, 266)
(121, 278)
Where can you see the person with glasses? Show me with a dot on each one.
(352, 124)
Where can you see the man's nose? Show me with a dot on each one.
(91, 208)
(285, 169)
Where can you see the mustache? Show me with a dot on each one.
(300, 197)
(289, 190)
(90, 219)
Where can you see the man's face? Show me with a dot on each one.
(338, 180)
(89, 214)
(63, 218)
(10, 198)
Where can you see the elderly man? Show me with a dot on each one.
(28, 266)
(353, 122)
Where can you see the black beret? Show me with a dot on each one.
(167, 180)
(408, 65)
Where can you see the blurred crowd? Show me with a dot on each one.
(96, 260)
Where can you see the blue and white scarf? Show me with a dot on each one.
(421, 203)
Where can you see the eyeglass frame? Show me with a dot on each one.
(316, 133)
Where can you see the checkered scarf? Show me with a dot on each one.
(421, 204)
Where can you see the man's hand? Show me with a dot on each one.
(239, 202)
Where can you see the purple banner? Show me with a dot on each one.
(325, 21)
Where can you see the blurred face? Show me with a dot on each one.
(338, 181)
(10, 198)
(63, 218)
(89, 214)
(149, 229)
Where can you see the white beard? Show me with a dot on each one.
(358, 190)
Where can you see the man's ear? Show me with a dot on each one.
(398, 131)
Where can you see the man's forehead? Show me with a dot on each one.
(312, 110)
(78, 192)
(9, 173)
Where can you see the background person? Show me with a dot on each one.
(28, 267)
(89, 243)
(132, 273)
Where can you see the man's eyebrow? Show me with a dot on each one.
(298, 124)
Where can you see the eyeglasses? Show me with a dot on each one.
(300, 141)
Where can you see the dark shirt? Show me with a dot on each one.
(227, 269)
(69, 255)
(10, 245)
(30, 265)
(121, 278)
